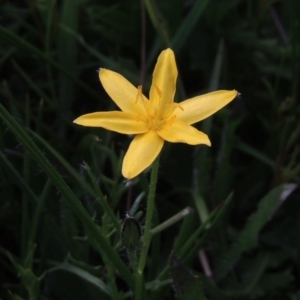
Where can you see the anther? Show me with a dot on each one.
(139, 93)
(178, 105)
(175, 105)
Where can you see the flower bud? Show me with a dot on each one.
(131, 232)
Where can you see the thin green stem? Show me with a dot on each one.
(48, 47)
(139, 288)
(157, 21)
(25, 200)
(143, 42)
(171, 221)
(132, 254)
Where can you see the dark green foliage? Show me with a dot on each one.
(186, 285)
(62, 196)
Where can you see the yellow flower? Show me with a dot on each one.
(155, 120)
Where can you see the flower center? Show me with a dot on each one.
(157, 115)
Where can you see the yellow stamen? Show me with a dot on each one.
(140, 96)
(171, 121)
(151, 124)
(177, 105)
(139, 93)
(159, 92)
(171, 109)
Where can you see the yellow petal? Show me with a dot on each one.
(164, 80)
(141, 153)
(118, 121)
(198, 108)
(180, 132)
(122, 92)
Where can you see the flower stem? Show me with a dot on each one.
(139, 287)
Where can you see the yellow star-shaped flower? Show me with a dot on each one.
(155, 120)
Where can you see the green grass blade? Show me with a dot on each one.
(25, 200)
(255, 153)
(66, 165)
(186, 249)
(188, 24)
(19, 180)
(49, 20)
(260, 156)
(106, 62)
(214, 84)
(33, 85)
(212, 220)
(84, 275)
(10, 38)
(67, 51)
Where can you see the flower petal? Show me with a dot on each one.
(180, 132)
(141, 153)
(164, 80)
(198, 108)
(118, 121)
(122, 92)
